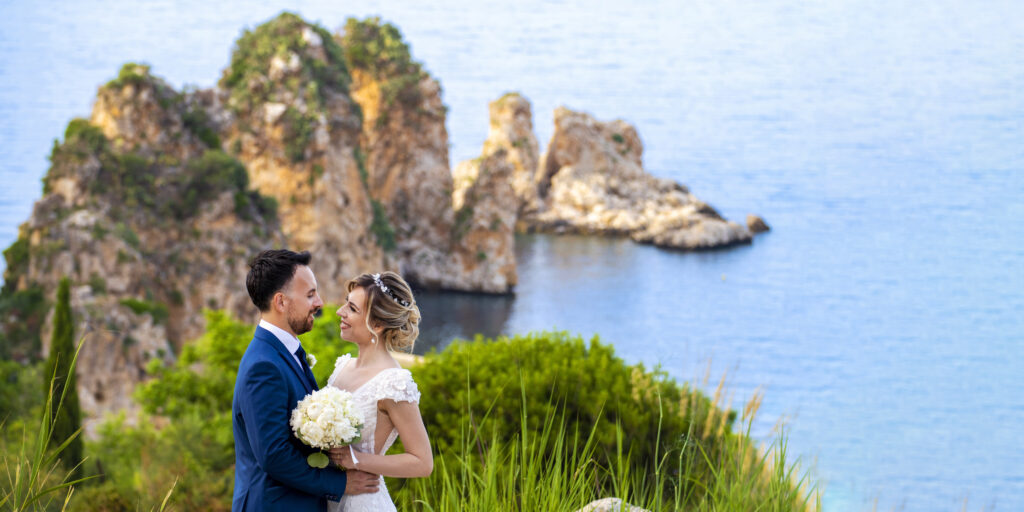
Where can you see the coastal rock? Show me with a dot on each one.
(610, 505)
(148, 234)
(511, 130)
(408, 173)
(591, 180)
(485, 204)
(288, 117)
(756, 224)
(141, 113)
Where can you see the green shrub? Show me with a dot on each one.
(247, 76)
(131, 73)
(297, 133)
(559, 372)
(16, 257)
(81, 131)
(381, 227)
(140, 307)
(22, 313)
(198, 122)
(378, 49)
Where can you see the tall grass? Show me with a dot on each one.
(32, 478)
(556, 469)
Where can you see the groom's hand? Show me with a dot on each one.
(360, 482)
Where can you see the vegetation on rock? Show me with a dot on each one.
(378, 49)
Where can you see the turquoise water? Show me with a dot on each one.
(883, 141)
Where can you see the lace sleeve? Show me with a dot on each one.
(398, 386)
(338, 365)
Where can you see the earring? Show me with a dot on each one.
(373, 340)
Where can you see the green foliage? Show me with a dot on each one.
(618, 138)
(381, 227)
(32, 478)
(22, 313)
(20, 390)
(558, 372)
(81, 131)
(98, 284)
(16, 257)
(463, 218)
(247, 77)
(140, 307)
(128, 235)
(131, 73)
(67, 416)
(298, 132)
(378, 49)
(198, 122)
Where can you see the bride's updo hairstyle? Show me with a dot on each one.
(390, 304)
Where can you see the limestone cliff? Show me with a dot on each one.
(408, 173)
(148, 207)
(284, 109)
(151, 226)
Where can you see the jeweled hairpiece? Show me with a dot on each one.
(387, 291)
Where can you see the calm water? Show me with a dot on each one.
(883, 141)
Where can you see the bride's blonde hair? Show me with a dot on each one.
(390, 304)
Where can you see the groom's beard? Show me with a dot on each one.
(302, 325)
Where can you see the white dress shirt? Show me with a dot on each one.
(290, 342)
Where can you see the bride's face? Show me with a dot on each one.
(353, 317)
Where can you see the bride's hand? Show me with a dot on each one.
(342, 456)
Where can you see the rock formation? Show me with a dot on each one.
(591, 180)
(150, 224)
(148, 206)
(334, 144)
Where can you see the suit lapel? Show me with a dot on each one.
(289, 359)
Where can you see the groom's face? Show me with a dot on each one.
(302, 301)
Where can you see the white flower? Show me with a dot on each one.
(310, 360)
(326, 418)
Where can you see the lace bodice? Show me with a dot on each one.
(391, 383)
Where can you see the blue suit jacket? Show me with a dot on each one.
(271, 472)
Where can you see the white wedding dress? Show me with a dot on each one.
(393, 383)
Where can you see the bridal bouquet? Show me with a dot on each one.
(328, 418)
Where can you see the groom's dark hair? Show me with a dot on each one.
(270, 271)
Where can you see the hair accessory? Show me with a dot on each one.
(387, 291)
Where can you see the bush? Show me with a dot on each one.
(381, 227)
(247, 76)
(378, 49)
(140, 307)
(548, 373)
(22, 314)
(131, 73)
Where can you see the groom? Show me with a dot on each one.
(271, 472)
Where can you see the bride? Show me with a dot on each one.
(380, 315)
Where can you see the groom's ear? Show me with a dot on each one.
(278, 302)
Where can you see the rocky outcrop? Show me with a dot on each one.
(485, 216)
(756, 224)
(511, 130)
(155, 204)
(284, 109)
(150, 225)
(591, 180)
(437, 244)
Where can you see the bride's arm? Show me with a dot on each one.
(417, 461)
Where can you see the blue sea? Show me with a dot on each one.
(883, 141)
